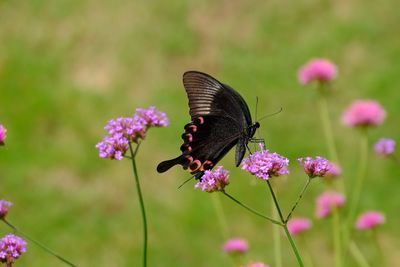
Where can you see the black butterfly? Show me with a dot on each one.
(220, 120)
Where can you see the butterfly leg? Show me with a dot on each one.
(260, 141)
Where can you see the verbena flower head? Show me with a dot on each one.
(125, 130)
(113, 147)
(153, 117)
(3, 134)
(4, 207)
(298, 225)
(236, 245)
(212, 181)
(327, 202)
(264, 164)
(369, 220)
(318, 69)
(317, 167)
(257, 264)
(11, 248)
(129, 128)
(364, 113)
(385, 146)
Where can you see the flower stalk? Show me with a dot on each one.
(16, 230)
(141, 200)
(250, 209)
(284, 225)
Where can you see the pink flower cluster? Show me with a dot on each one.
(236, 245)
(212, 181)
(264, 164)
(298, 225)
(317, 167)
(11, 248)
(327, 202)
(257, 264)
(123, 130)
(364, 113)
(318, 69)
(370, 220)
(385, 147)
(4, 207)
(3, 134)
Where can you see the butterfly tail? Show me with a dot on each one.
(166, 165)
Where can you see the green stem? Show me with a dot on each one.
(327, 129)
(284, 225)
(326, 124)
(298, 199)
(379, 248)
(16, 230)
(359, 182)
(357, 255)
(141, 201)
(277, 240)
(296, 252)
(276, 202)
(308, 259)
(250, 209)
(220, 215)
(336, 238)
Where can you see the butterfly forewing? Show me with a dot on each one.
(220, 120)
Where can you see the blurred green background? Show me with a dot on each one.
(67, 67)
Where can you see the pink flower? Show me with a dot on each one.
(3, 134)
(333, 171)
(318, 69)
(298, 225)
(213, 181)
(328, 201)
(257, 264)
(369, 220)
(236, 245)
(264, 164)
(11, 248)
(4, 206)
(317, 167)
(385, 147)
(364, 113)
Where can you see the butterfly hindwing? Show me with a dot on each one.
(205, 142)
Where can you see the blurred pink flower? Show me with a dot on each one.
(4, 207)
(328, 201)
(318, 69)
(257, 264)
(385, 146)
(317, 167)
(369, 220)
(298, 225)
(333, 171)
(236, 245)
(3, 134)
(364, 113)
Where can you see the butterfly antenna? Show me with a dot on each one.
(272, 114)
(187, 180)
(255, 114)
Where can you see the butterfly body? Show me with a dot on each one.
(220, 120)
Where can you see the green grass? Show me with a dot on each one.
(67, 67)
